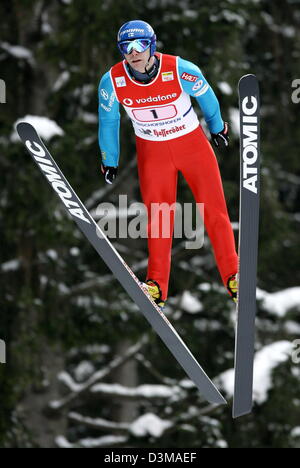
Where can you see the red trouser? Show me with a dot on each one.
(158, 166)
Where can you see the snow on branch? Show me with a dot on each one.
(105, 441)
(147, 392)
(18, 52)
(265, 361)
(146, 424)
(98, 423)
(278, 303)
(77, 390)
(11, 265)
(46, 127)
(150, 424)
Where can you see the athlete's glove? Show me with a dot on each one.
(221, 139)
(109, 172)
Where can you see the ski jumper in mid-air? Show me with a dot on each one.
(155, 89)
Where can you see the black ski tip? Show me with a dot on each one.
(22, 125)
(249, 76)
(19, 124)
(23, 128)
(248, 82)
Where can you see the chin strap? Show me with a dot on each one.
(148, 75)
(152, 72)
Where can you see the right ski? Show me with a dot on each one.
(249, 104)
(117, 265)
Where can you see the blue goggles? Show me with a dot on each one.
(140, 45)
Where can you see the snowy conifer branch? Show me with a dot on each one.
(148, 424)
(105, 441)
(98, 423)
(77, 390)
(142, 392)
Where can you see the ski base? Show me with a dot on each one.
(249, 103)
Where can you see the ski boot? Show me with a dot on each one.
(232, 286)
(155, 292)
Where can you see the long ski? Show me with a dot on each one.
(249, 104)
(116, 264)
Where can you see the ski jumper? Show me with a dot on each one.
(169, 139)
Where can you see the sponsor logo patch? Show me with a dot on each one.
(165, 133)
(145, 132)
(107, 109)
(167, 76)
(120, 81)
(104, 94)
(127, 102)
(158, 98)
(58, 183)
(250, 143)
(131, 32)
(112, 99)
(197, 85)
(189, 77)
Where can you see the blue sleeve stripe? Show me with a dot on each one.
(109, 122)
(202, 91)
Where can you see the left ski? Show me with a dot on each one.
(115, 262)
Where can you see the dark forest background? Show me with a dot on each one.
(83, 367)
